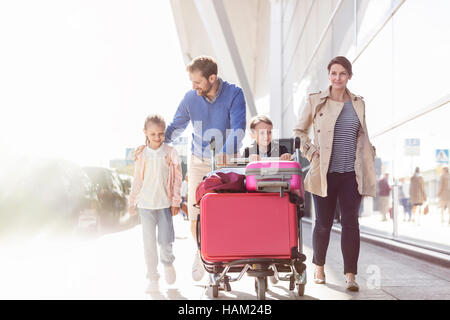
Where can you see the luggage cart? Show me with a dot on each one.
(289, 268)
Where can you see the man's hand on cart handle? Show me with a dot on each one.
(221, 159)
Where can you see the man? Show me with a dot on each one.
(216, 110)
(384, 190)
(444, 193)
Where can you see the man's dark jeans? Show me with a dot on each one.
(342, 186)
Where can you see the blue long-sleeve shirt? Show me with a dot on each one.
(224, 119)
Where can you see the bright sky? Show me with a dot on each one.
(78, 78)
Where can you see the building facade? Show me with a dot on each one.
(278, 51)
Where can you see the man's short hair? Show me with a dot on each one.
(206, 65)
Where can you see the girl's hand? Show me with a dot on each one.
(174, 210)
(285, 156)
(138, 151)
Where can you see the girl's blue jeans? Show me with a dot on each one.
(152, 220)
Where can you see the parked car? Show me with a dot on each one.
(110, 192)
(126, 182)
(51, 196)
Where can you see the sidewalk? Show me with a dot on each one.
(383, 274)
(112, 267)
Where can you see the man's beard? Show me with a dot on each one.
(204, 93)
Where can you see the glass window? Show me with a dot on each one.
(433, 132)
(372, 79)
(421, 33)
(370, 16)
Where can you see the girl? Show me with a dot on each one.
(156, 193)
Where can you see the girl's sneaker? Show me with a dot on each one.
(171, 275)
(152, 286)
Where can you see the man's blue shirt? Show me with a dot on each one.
(224, 119)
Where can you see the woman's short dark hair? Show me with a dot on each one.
(205, 64)
(343, 61)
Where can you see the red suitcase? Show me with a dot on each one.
(247, 225)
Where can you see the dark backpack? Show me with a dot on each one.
(220, 182)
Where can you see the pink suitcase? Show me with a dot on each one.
(273, 176)
(247, 225)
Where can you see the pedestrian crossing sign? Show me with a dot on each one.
(442, 156)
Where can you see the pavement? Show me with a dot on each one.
(111, 266)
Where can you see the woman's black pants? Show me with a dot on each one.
(342, 186)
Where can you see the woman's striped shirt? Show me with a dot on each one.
(343, 154)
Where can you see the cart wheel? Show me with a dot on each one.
(301, 290)
(260, 284)
(214, 291)
(226, 283)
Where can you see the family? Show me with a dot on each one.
(341, 162)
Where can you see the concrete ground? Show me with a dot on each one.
(112, 267)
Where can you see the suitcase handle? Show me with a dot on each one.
(282, 177)
(272, 184)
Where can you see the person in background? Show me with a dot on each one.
(262, 145)
(404, 199)
(444, 194)
(156, 194)
(417, 194)
(384, 191)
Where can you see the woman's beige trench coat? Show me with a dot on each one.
(322, 113)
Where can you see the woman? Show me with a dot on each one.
(342, 165)
(417, 194)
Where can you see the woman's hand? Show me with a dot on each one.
(174, 210)
(132, 210)
(316, 153)
(285, 156)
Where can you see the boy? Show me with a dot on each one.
(262, 146)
